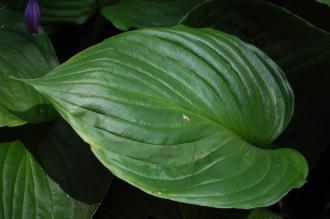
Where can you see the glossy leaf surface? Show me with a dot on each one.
(183, 114)
(22, 55)
(299, 48)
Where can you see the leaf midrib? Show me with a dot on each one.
(163, 102)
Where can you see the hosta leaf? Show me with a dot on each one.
(27, 192)
(301, 50)
(262, 213)
(23, 56)
(78, 178)
(126, 14)
(183, 114)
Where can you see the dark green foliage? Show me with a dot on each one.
(193, 115)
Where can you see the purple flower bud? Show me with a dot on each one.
(32, 16)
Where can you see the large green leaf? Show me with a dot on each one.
(77, 181)
(301, 50)
(27, 192)
(126, 14)
(23, 56)
(183, 114)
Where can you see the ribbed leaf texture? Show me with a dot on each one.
(298, 47)
(182, 113)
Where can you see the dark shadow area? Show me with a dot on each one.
(311, 10)
(65, 158)
(312, 199)
(124, 201)
(70, 39)
(37, 114)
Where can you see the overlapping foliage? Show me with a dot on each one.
(197, 114)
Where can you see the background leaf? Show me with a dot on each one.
(262, 213)
(27, 192)
(302, 51)
(22, 55)
(126, 14)
(64, 11)
(327, 2)
(177, 112)
(8, 119)
(59, 11)
(58, 157)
